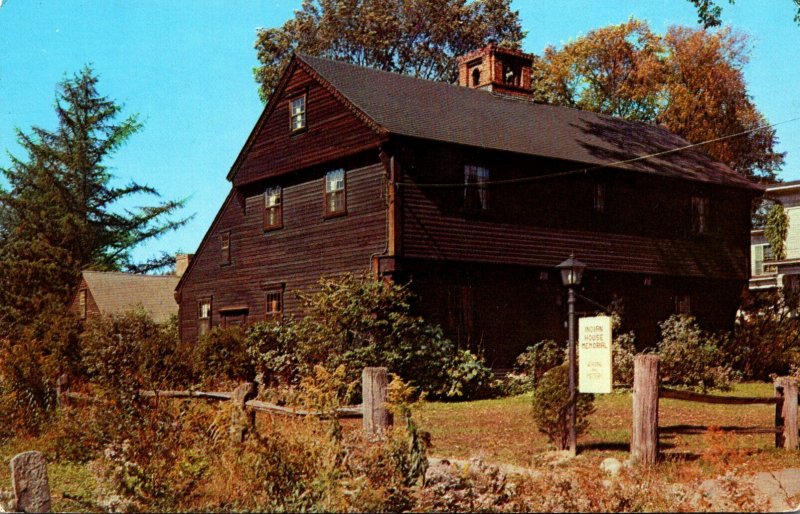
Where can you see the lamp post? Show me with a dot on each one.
(571, 274)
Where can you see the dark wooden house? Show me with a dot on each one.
(474, 193)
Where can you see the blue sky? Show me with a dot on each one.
(185, 66)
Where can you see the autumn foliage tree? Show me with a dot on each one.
(414, 37)
(688, 80)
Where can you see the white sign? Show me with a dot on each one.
(594, 355)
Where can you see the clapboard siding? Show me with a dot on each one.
(307, 247)
(332, 132)
(645, 227)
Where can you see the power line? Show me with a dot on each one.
(593, 168)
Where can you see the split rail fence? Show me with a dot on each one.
(373, 411)
(647, 391)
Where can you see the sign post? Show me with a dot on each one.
(594, 355)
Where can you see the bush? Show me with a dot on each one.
(766, 338)
(271, 347)
(551, 407)
(125, 353)
(532, 364)
(27, 385)
(31, 359)
(623, 353)
(691, 357)
(359, 322)
(222, 354)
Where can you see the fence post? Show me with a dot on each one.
(646, 384)
(786, 413)
(62, 386)
(242, 422)
(779, 396)
(373, 388)
(29, 482)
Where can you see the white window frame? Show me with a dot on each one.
(297, 113)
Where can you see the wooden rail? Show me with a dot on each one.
(351, 411)
(647, 392)
(374, 382)
(708, 398)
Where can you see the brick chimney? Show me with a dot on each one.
(182, 261)
(498, 70)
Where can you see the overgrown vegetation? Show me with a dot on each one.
(551, 407)
(766, 339)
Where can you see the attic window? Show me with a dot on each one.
(297, 112)
(335, 193)
(225, 247)
(273, 217)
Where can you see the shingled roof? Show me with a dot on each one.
(409, 106)
(116, 292)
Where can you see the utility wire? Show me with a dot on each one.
(592, 168)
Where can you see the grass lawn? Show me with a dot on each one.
(503, 431)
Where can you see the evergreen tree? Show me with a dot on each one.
(59, 214)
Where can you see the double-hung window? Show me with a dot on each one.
(225, 247)
(203, 316)
(762, 254)
(272, 208)
(297, 113)
(335, 193)
(700, 214)
(476, 196)
(599, 203)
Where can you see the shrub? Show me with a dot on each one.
(271, 347)
(128, 352)
(221, 354)
(691, 357)
(31, 358)
(623, 353)
(532, 364)
(359, 322)
(551, 407)
(27, 384)
(766, 338)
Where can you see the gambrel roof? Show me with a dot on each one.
(408, 106)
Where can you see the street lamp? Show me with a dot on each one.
(571, 275)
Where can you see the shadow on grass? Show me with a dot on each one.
(615, 447)
(702, 429)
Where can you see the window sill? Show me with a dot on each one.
(332, 215)
(273, 228)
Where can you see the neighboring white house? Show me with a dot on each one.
(765, 271)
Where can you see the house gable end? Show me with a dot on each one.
(333, 128)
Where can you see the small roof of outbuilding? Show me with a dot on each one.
(116, 292)
(438, 111)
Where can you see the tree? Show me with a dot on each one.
(776, 229)
(688, 80)
(59, 214)
(710, 14)
(414, 37)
